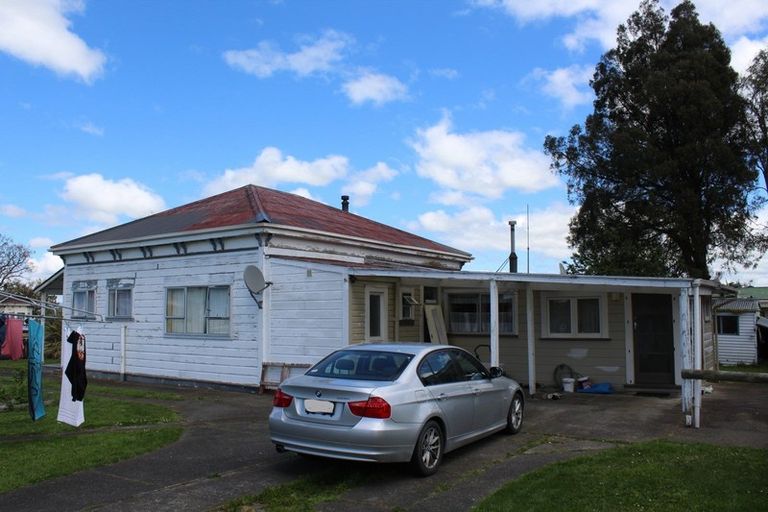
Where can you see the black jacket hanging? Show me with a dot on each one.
(75, 370)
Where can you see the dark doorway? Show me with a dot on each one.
(654, 339)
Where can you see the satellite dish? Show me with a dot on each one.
(254, 281)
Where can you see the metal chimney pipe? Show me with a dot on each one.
(512, 253)
(345, 203)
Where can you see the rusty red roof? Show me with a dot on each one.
(258, 206)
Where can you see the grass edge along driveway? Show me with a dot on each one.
(648, 476)
(121, 422)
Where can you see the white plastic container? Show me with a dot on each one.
(568, 384)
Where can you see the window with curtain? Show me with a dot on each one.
(120, 301)
(470, 313)
(83, 299)
(197, 310)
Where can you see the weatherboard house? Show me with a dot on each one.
(164, 298)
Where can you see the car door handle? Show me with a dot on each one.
(441, 396)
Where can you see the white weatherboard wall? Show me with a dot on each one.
(307, 311)
(233, 359)
(740, 348)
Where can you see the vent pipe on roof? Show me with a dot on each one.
(345, 203)
(512, 253)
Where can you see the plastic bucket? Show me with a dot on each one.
(568, 384)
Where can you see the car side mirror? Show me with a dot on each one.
(495, 372)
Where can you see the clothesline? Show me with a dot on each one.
(90, 316)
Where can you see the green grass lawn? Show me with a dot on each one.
(654, 476)
(120, 422)
(761, 367)
(301, 495)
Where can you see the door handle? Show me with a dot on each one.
(441, 396)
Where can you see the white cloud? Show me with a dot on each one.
(448, 197)
(376, 88)
(744, 50)
(569, 85)
(483, 163)
(303, 192)
(13, 211)
(478, 229)
(757, 276)
(271, 168)
(91, 129)
(38, 32)
(313, 56)
(40, 242)
(44, 266)
(448, 73)
(732, 18)
(104, 201)
(597, 20)
(363, 185)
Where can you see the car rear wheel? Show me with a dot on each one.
(515, 414)
(428, 453)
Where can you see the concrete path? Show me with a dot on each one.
(225, 453)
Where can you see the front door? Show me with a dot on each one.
(654, 339)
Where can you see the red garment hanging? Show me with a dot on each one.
(13, 347)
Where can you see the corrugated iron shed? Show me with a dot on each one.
(736, 305)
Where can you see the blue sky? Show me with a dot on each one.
(430, 114)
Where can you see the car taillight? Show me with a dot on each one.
(281, 399)
(374, 407)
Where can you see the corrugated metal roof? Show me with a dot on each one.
(736, 305)
(258, 206)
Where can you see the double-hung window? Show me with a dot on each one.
(574, 317)
(470, 313)
(83, 299)
(197, 310)
(120, 301)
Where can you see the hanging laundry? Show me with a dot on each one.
(2, 331)
(13, 347)
(75, 371)
(35, 369)
(71, 411)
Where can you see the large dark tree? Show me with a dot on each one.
(660, 167)
(754, 88)
(14, 260)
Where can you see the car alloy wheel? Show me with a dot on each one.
(428, 453)
(515, 415)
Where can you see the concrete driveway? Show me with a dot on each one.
(225, 453)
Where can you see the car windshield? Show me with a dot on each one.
(362, 365)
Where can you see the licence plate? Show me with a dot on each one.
(318, 406)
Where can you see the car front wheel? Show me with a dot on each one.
(515, 414)
(428, 453)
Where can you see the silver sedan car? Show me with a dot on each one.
(394, 402)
